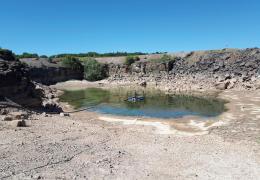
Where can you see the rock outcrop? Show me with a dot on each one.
(221, 69)
(15, 83)
(17, 89)
(47, 73)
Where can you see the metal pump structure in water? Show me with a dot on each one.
(135, 98)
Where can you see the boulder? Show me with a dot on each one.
(19, 115)
(50, 95)
(3, 111)
(216, 68)
(143, 83)
(64, 114)
(7, 118)
(248, 86)
(44, 114)
(250, 64)
(227, 76)
(232, 83)
(222, 86)
(51, 106)
(221, 79)
(22, 123)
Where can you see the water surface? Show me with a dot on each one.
(156, 103)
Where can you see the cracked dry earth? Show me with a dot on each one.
(83, 147)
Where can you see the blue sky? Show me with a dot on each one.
(59, 26)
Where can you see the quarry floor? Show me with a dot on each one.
(87, 145)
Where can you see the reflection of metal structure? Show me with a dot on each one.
(135, 98)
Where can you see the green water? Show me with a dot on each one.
(156, 103)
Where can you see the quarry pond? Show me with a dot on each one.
(155, 103)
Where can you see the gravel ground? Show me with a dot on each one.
(84, 147)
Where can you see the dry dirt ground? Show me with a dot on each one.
(87, 146)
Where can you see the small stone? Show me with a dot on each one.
(21, 123)
(231, 85)
(7, 118)
(19, 115)
(144, 84)
(249, 86)
(249, 64)
(64, 114)
(221, 79)
(44, 114)
(3, 112)
(253, 78)
(50, 96)
(227, 76)
(242, 64)
(234, 80)
(216, 68)
(222, 86)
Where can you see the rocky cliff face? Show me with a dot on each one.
(15, 83)
(16, 87)
(42, 71)
(197, 70)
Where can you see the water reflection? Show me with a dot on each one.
(156, 103)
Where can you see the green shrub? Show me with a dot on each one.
(50, 60)
(131, 59)
(94, 71)
(164, 58)
(27, 55)
(43, 56)
(72, 62)
(95, 54)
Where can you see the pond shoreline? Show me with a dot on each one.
(186, 125)
(90, 145)
(73, 85)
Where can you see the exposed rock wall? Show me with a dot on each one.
(17, 89)
(47, 73)
(16, 85)
(197, 70)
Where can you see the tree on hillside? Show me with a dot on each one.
(131, 59)
(94, 71)
(27, 55)
(43, 56)
(72, 62)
